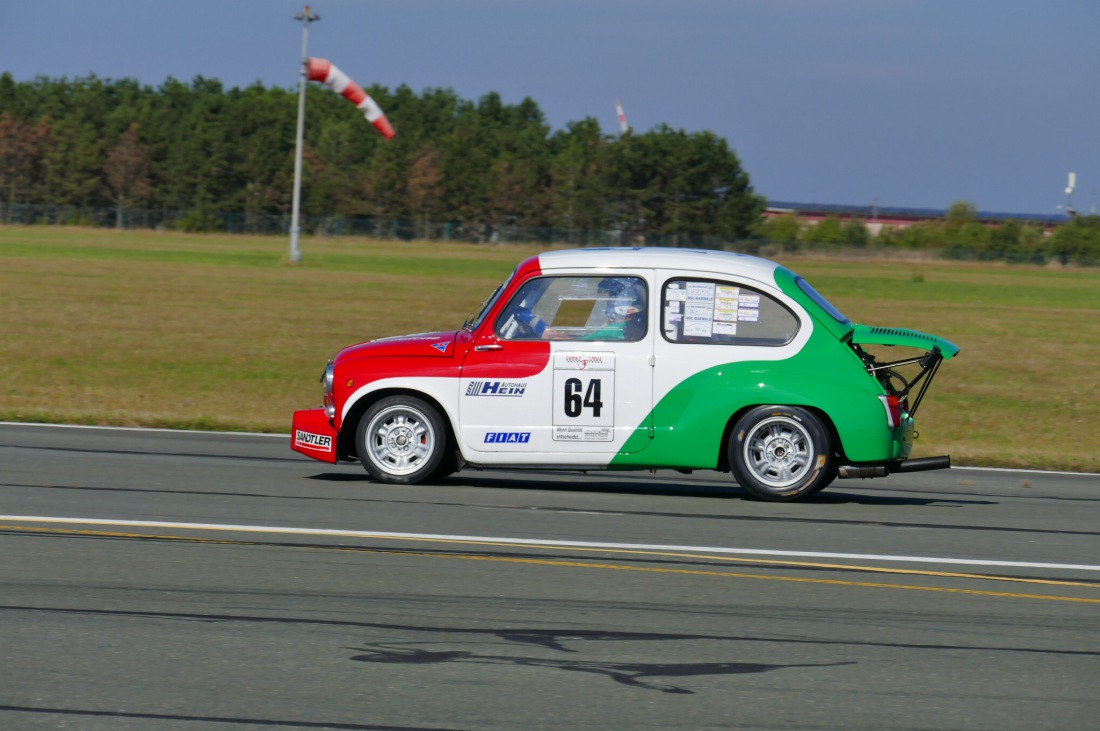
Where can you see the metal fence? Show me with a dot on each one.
(376, 228)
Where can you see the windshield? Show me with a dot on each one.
(822, 302)
(474, 320)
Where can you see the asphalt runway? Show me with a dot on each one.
(176, 580)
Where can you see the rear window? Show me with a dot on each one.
(822, 302)
(723, 313)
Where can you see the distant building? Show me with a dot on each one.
(877, 218)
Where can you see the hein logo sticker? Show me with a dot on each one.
(507, 437)
(496, 388)
(313, 441)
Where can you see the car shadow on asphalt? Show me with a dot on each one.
(714, 486)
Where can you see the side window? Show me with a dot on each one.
(708, 311)
(577, 308)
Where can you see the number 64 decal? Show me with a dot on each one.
(575, 405)
(584, 399)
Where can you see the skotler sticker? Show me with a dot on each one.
(496, 388)
(308, 440)
(507, 437)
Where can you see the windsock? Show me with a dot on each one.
(325, 71)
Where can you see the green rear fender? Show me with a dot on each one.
(691, 422)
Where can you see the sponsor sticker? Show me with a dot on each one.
(309, 440)
(748, 314)
(725, 304)
(701, 293)
(442, 346)
(583, 434)
(507, 437)
(698, 328)
(496, 388)
(584, 361)
(697, 313)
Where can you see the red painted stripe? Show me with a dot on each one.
(355, 94)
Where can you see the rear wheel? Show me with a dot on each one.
(401, 440)
(780, 453)
(830, 475)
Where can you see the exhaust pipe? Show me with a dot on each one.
(897, 465)
(922, 464)
(849, 470)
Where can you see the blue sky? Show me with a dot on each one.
(915, 103)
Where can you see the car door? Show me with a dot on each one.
(723, 344)
(563, 374)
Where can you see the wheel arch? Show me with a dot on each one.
(347, 442)
(835, 442)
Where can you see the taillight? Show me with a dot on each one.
(893, 410)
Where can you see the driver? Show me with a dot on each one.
(624, 313)
(624, 310)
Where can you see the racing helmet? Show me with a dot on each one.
(623, 297)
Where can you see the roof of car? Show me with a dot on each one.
(700, 260)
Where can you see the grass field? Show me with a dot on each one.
(188, 331)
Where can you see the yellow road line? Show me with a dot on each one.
(559, 546)
(618, 567)
(776, 562)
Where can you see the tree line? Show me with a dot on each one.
(207, 150)
(961, 235)
(207, 153)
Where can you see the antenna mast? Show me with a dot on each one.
(306, 18)
(1070, 185)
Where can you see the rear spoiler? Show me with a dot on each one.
(869, 335)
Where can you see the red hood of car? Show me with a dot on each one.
(428, 345)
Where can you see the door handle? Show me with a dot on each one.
(483, 348)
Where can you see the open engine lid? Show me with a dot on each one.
(870, 335)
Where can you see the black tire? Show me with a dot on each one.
(781, 453)
(830, 475)
(447, 466)
(401, 440)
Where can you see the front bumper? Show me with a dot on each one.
(313, 435)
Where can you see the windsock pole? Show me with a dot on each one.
(306, 18)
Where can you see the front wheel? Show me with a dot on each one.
(780, 453)
(401, 440)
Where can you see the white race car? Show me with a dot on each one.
(627, 359)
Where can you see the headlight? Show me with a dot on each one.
(326, 381)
